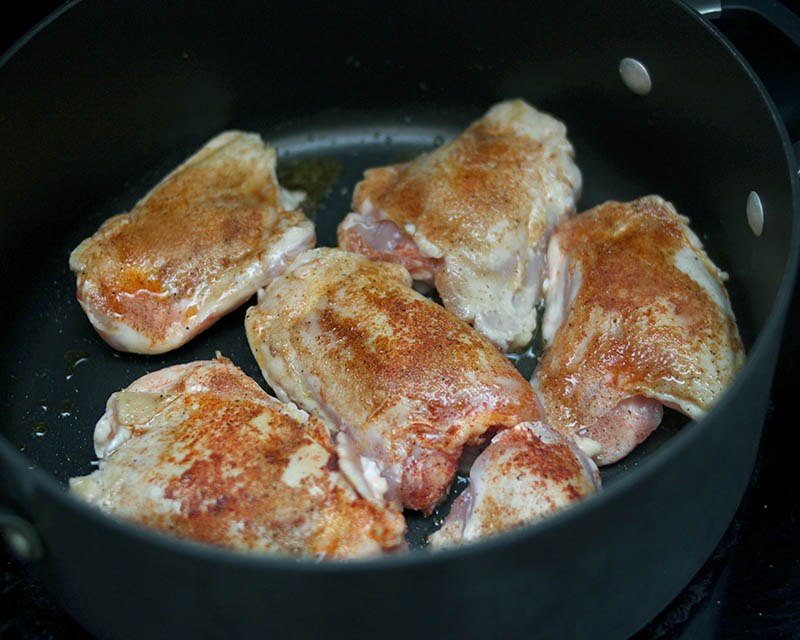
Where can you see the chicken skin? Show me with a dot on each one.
(405, 382)
(526, 473)
(637, 317)
(200, 451)
(197, 246)
(473, 216)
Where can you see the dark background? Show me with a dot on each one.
(750, 587)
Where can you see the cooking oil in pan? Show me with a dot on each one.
(40, 429)
(65, 410)
(73, 358)
(526, 360)
(316, 176)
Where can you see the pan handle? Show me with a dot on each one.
(780, 17)
(787, 22)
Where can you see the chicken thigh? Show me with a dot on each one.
(198, 245)
(473, 216)
(526, 473)
(406, 383)
(201, 451)
(637, 316)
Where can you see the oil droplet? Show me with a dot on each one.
(316, 176)
(43, 404)
(73, 359)
(65, 410)
(527, 359)
(39, 429)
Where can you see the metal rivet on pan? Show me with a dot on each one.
(21, 537)
(635, 76)
(755, 213)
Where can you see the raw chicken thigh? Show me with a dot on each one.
(637, 316)
(406, 383)
(198, 245)
(201, 451)
(527, 473)
(473, 216)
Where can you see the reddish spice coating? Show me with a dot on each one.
(477, 180)
(650, 318)
(409, 382)
(174, 263)
(221, 462)
(423, 354)
(540, 465)
(525, 474)
(166, 245)
(472, 217)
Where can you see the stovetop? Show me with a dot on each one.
(749, 588)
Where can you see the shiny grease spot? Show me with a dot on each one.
(72, 359)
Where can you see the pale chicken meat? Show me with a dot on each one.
(527, 473)
(637, 317)
(473, 216)
(198, 245)
(200, 451)
(405, 382)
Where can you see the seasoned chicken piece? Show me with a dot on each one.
(527, 473)
(637, 316)
(201, 451)
(406, 383)
(197, 246)
(473, 216)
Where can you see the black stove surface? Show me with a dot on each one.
(749, 588)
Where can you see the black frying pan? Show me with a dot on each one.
(108, 97)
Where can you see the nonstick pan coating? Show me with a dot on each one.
(91, 129)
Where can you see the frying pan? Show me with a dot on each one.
(108, 96)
